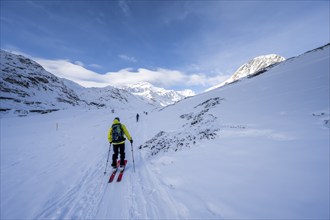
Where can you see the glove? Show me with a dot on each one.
(131, 141)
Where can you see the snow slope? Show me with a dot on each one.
(259, 148)
(255, 149)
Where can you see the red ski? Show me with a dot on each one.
(120, 176)
(112, 177)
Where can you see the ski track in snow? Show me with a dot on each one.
(80, 202)
(140, 195)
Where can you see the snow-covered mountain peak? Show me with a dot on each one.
(253, 66)
(257, 64)
(157, 95)
(187, 92)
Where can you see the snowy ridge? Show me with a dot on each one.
(253, 66)
(155, 95)
(26, 87)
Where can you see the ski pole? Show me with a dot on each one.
(105, 171)
(133, 157)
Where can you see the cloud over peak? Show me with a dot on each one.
(160, 76)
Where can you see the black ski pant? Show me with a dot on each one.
(118, 148)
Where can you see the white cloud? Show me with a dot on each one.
(124, 7)
(79, 63)
(159, 77)
(94, 65)
(127, 58)
(66, 69)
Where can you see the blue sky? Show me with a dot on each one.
(173, 44)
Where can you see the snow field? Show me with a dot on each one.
(51, 173)
(259, 180)
(255, 149)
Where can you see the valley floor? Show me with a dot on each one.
(52, 167)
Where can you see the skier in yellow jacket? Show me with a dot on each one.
(116, 138)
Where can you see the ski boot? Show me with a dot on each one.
(114, 168)
(121, 168)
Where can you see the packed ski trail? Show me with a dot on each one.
(138, 195)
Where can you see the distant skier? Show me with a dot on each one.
(116, 138)
(137, 117)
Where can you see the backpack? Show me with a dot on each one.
(117, 133)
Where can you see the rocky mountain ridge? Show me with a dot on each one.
(26, 87)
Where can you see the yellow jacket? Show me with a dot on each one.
(124, 130)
